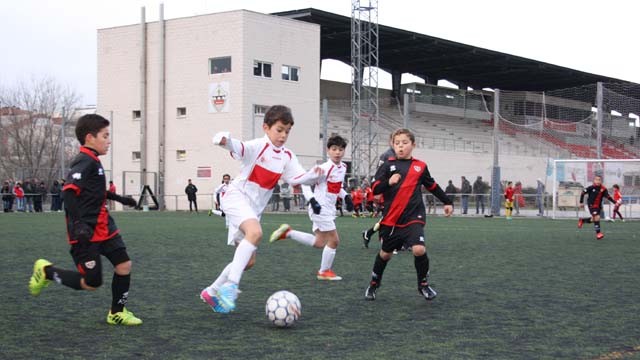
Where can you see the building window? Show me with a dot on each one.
(181, 154)
(136, 114)
(220, 65)
(181, 111)
(135, 155)
(260, 110)
(290, 73)
(204, 171)
(262, 69)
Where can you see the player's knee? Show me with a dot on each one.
(92, 281)
(123, 268)
(596, 217)
(385, 255)
(418, 250)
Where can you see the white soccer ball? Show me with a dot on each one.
(283, 308)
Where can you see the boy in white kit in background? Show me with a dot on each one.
(263, 162)
(324, 227)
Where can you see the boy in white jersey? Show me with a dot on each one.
(264, 161)
(219, 192)
(326, 192)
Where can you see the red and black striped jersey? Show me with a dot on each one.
(85, 197)
(403, 204)
(595, 194)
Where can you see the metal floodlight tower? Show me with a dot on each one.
(364, 87)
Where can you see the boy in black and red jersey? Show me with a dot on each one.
(595, 194)
(90, 229)
(400, 180)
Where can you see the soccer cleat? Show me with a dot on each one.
(280, 233)
(328, 275)
(425, 290)
(212, 301)
(38, 279)
(370, 293)
(227, 295)
(366, 237)
(124, 317)
(580, 222)
(599, 236)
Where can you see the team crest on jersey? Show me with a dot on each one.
(417, 168)
(392, 168)
(100, 171)
(76, 176)
(90, 264)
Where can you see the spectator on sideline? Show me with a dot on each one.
(465, 190)
(540, 197)
(7, 197)
(275, 198)
(285, 194)
(479, 190)
(19, 191)
(38, 199)
(191, 191)
(55, 196)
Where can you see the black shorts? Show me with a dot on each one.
(595, 210)
(393, 238)
(87, 257)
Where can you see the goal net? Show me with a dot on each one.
(569, 177)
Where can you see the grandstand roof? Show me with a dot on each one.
(431, 57)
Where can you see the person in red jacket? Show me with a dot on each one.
(19, 191)
(356, 196)
(617, 196)
(508, 196)
(91, 231)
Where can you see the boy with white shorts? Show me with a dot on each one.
(264, 161)
(324, 227)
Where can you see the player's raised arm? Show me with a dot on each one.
(236, 147)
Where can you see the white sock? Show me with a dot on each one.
(302, 237)
(241, 258)
(222, 278)
(328, 254)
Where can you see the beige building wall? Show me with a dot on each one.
(189, 44)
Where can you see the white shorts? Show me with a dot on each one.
(237, 209)
(322, 222)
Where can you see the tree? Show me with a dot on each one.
(32, 118)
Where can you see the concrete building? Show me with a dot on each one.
(169, 86)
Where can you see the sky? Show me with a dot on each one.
(43, 38)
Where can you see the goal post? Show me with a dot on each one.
(569, 177)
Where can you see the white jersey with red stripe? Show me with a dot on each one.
(326, 192)
(221, 189)
(262, 165)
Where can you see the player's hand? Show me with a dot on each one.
(221, 138)
(448, 210)
(315, 206)
(81, 232)
(129, 201)
(348, 202)
(394, 179)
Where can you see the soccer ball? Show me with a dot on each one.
(283, 308)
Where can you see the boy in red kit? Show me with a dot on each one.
(508, 202)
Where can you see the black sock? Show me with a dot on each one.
(119, 292)
(587, 220)
(378, 270)
(596, 225)
(422, 268)
(65, 277)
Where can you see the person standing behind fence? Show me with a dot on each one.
(55, 196)
(540, 197)
(19, 191)
(112, 188)
(191, 191)
(41, 192)
(465, 190)
(285, 194)
(478, 191)
(518, 200)
(29, 190)
(275, 198)
(451, 191)
(7, 197)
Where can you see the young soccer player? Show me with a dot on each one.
(356, 197)
(400, 179)
(508, 202)
(91, 231)
(219, 191)
(326, 192)
(263, 162)
(617, 196)
(595, 193)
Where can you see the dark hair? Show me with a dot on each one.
(336, 140)
(90, 124)
(509, 182)
(404, 132)
(278, 113)
(615, 186)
